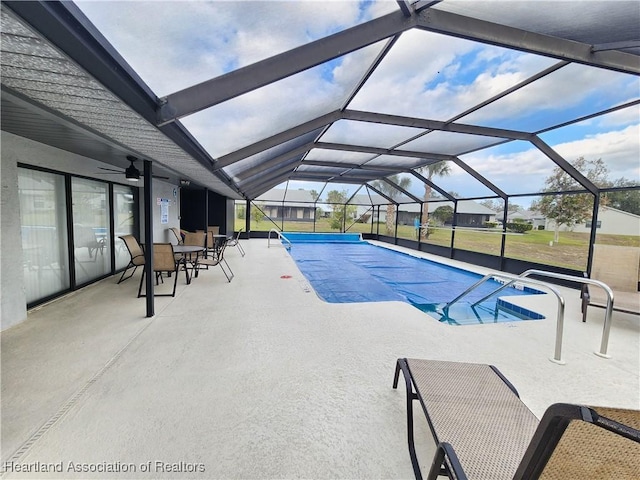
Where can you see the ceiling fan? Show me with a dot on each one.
(131, 173)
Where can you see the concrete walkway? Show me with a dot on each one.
(258, 378)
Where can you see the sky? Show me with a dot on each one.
(176, 44)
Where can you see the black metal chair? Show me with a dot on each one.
(235, 242)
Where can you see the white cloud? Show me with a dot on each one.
(619, 149)
(185, 43)
(175, 44)
(559, 92)
(626, 116)
(525, 171)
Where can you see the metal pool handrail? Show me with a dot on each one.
(557, 356)
(280, 237)
(608, 310)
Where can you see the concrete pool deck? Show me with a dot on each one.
(258, 378)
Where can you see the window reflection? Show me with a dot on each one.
(123, 207)
(90, 229)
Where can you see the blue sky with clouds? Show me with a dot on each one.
(426, 75)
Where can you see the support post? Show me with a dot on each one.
(148, 237)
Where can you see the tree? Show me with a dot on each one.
(491, 205)
(514, 207)
(438, 169)
(315, 195)
(257, 212)
(443, 214)
(625, 200)
(570, 209)
(337, 200)
(392, 192)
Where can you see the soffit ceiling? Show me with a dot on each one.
(349, 136)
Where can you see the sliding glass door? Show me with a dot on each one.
(124, 207)
(43, 217)
(91, 236)
(67, 230)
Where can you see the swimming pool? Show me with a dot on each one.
(348, 270)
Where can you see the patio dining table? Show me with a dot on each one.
(185, 250)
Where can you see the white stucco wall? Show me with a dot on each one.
(13, 301)
(14, 150)
(167, 191)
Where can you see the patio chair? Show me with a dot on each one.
(215, 229)
(164, 262)
(235, 242)
(211, 244)
(483, 430)
(177, 236)
(196, 239)
(137, 256)
(619, 268)
(216, 259)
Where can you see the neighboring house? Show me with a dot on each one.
(365, 209)
(532, 217)
(298, 206)
(470, 213)
(610, 221)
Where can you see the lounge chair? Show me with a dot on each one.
(235, 242)
(619, 268)
(482, 430)
(137, 255)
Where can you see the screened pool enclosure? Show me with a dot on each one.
(503, 129)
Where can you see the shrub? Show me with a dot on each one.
(490, 224)
(540, 227)
(519, 227)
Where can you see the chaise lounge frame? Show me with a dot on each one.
(483, 430)
(619, 268)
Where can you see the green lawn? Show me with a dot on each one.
(534, 246)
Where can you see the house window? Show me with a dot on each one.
(598, 224)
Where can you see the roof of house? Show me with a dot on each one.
(294, 198)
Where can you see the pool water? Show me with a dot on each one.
(357, 271)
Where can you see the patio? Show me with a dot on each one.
(258, 378)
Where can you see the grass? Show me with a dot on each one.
(534, 246)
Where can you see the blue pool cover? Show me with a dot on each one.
(357, 271)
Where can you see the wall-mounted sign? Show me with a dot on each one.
(164, 210)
